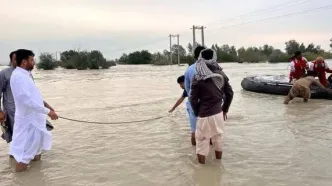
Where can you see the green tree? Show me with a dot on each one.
(97, 60)
(278, 56)
(66, 55)
(137, 57)
(226, 53)
(188, 59)
(175, 48)
(108, 64)
(310, 48)
(251, 54)
(146, 57)
(292, 46)
(123, 59)
(190, 48)
(159, 59)
(166, 53)
(46, 62)
(267, 50)
(241, 54)
(82, 60)
(68, 59)
(302, 48)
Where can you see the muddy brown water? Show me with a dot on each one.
(266, 142)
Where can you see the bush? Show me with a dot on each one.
(137, 58)
(85, 60)
(46, 62)
(278, 56)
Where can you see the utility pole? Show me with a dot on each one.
(178, 36)
(170, 48)
(194, 35)
(178, 48)
(202, 32)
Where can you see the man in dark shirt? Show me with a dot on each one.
(180, 81)
(209, 89)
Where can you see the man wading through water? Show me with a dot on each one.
(8, 111)
(209, 87)
(188, 77)
(30, 135)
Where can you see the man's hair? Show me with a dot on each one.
(180, 79)
(197, 51)
(207, 54)
(297, 53)
(22, 54)
(11, 55)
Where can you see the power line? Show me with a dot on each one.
(281, 16)
(160, 39)
(270, 9)
(245, 23)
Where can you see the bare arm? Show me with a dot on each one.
(48, 106)
(315, 81)
(179, 101)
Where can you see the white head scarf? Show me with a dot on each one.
(203, 72)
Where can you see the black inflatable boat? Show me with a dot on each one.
(278, 85)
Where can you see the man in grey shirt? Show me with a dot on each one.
(7, 99)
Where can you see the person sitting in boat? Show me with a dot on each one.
(301, 88)
(298, 66)
(319, 69)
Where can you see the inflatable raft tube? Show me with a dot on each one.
(278, 85)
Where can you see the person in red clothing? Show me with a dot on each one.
(319, 69)
(298, 66)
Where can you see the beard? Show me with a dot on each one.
(30, 67)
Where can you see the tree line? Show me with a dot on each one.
(227, 53)
(83, 60)
(72, 59)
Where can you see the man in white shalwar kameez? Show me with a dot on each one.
(30, 133)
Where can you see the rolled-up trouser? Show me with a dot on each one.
(299, 91)
(192, 118)
(211, 127)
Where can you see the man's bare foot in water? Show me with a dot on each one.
(37, 158)
(193, 139)
(201, 159)
(20, 167)
(218, 155)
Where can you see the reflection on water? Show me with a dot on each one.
(266, 142)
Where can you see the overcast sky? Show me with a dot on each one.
(118, 26)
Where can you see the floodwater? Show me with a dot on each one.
(266, 142)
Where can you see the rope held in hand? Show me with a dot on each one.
(110, 123)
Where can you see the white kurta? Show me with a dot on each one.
(30, 133)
